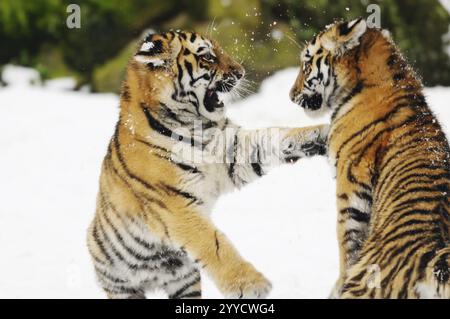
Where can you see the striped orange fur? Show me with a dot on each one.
(152, 228)
(391, 160)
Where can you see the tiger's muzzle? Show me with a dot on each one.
(224, 85)
(308, 102)
(313, 102)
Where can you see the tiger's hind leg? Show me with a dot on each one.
(129, 294)
(185, 287)
(354, 208)
(117, 287)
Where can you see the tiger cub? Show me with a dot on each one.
(172, 155)
(392, 164)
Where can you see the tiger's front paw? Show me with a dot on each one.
(246, 283)
(304, 143)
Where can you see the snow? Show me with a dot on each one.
(20, 76)
(61, 84)
(445, 4)
(52, 143)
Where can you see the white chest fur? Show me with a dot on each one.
(208, 185)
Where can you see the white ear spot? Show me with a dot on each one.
(357, 31)
(360, 28)
(157, 62)
(352, 23)
(386, 34)
(147, 59)
(147, 46)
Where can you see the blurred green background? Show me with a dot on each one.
(258, 32)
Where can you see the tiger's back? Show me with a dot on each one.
(393, 179)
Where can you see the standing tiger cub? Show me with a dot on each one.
(151, 228)
(392, 164)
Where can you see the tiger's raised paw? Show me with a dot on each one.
(248, 283)
(304, 142)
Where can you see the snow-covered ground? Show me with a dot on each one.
(52, 143)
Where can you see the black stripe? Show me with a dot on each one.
(414, 190)
(416, 178)
(187, 168)
(191, 295)
(343, 196)
(407, 146)
(360, 132)
(108, 276)
(120, 256)
(129, 250)
(417, 118)
(394, 218)
(163, 130)
(359, 292)
(356, 214)
(257, 169)
(180, 78)
(176, 191)
(407, 278)
(408, 223)
(357, 89)
(196, 103)
(421, 199)
(124, 165)
(368, 145)
(344, 28)
(136, 239)
(171, 114)
(400, 245)
(151, 145)
(364, 196)
(108, 241)
(234, 150)
(182, 35)
(352, 235)
(397, 171)
(124, 290)
(217, 244)
(180, 291)
(145, 53)
(404, 259)
(189, 69)
(100, 244)
(256, 162)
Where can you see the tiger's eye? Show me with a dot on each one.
(208, 57)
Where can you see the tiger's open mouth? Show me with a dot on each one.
(212, 100)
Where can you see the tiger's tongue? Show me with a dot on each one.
(211, 101)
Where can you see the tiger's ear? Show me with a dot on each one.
(344, 36)
(158, 50)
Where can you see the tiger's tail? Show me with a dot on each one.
(438, 274)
